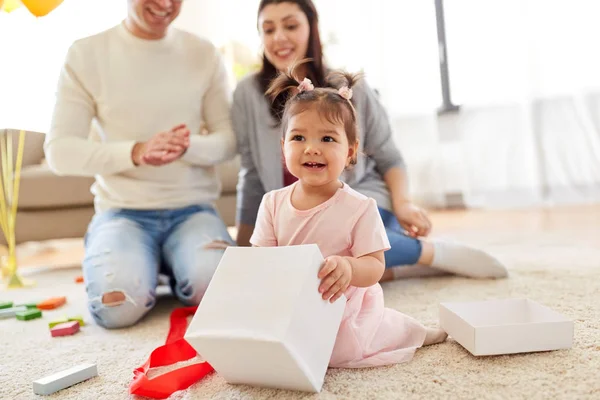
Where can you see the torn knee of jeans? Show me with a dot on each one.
(186, 288)
(112, 299)
(217, 245)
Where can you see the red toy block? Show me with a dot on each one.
(68, 328)
(52, 303)
(79, 279)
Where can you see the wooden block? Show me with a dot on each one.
(52, 303)
(79, 319)
(28, 314)
(27, 305)
(79, 279)
(10, 312)
(64, 379)
(5, 304)
(62, 320)
(65, 329)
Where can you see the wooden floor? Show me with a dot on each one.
(575, 223)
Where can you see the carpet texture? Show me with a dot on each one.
(553, 256)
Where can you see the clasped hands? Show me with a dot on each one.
(163, 148)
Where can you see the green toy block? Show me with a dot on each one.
(29, 314)
(59, 321)
(77, 318)
(5, 304)
(29, 306)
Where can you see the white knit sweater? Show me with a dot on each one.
(131, 89)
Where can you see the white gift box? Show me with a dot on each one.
(506, 326)
(262, 320)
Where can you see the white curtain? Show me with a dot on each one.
(32, 52)
(526, 74)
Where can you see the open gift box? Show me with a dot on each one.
(506, 326)
(262, 320)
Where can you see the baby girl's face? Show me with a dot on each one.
(316, 151)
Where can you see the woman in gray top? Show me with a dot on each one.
(289, 32)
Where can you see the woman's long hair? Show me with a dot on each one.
(316, 70)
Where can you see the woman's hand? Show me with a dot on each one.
(335, 275)
(413, 219)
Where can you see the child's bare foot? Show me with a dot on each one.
(434, 335)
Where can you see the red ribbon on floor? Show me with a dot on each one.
(175, 349)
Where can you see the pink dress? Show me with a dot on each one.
(348, 224)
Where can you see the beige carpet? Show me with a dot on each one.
(554, 258)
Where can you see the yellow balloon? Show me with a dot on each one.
(10, 5)
(39, 8)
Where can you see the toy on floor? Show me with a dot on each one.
(52, 303)
(5, 304)
(28, 314)
(64, 379)
(28, 305)
(65, 329)
(79, 279)
(62, 320)
(10, 312)
(77, 318)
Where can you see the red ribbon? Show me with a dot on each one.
(175, 350)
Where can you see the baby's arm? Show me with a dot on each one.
(368, 269)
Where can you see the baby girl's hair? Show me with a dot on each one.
(333, 103)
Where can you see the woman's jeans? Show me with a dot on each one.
(404, 250)
(125, 250)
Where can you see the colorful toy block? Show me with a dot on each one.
(79, 279)
(64, 379)
(52, 303)
(11, 312)
(27, 305)
(5, 304)
(59, 321)
(68, 328)
(79, 319)
(28, 314)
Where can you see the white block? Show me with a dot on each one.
(64, 379)
(263, 322)
(506, 326)
(11, 312)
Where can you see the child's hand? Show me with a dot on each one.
(335, 275)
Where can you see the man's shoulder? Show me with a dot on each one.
(92, 40)
(194, 42)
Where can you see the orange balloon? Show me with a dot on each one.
(39, 8)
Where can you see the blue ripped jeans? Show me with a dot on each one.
(125, 250)
(404, 249)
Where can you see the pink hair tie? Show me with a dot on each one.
(345, 92)
(305, 85)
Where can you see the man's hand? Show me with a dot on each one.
(413, 219)
(163, 148)
(335, 275)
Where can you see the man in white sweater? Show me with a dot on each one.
(159, 100)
